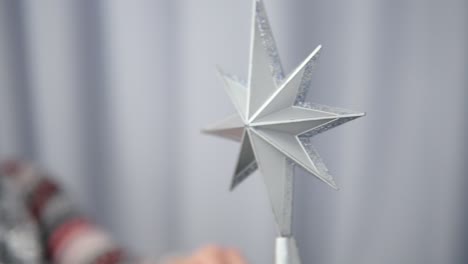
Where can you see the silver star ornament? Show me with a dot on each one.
(274, 122)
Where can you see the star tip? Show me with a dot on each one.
(258, 9)
(205, 131)
(219, 70)
(255, 4)
(314, 53)
(356, 115)
(318, 48)
(332, 184)
(360, 114)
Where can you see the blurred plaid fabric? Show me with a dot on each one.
(39, 224)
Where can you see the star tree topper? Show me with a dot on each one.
(274, 123)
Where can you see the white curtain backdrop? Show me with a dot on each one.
(110, 96)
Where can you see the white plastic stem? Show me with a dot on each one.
(282, 250)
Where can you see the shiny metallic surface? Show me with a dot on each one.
(286, 251)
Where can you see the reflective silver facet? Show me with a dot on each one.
(246, 164)
(286, 95)
(236, 91)
(265, 70)
(277, 174)
(231, 127)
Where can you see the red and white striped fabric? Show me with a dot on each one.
(67, 237)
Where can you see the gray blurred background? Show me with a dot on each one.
(110, 96)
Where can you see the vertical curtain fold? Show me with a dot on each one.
(111, 96)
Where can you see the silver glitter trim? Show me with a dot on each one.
(306, 80)
(327, 126)
(269, 43)
(241, 176)
(316, 159)
(285, 227)
(236, 78)
(324, 108)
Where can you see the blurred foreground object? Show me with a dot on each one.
(19, 236)
(275, 125)
(65, 236)
(38, 224)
